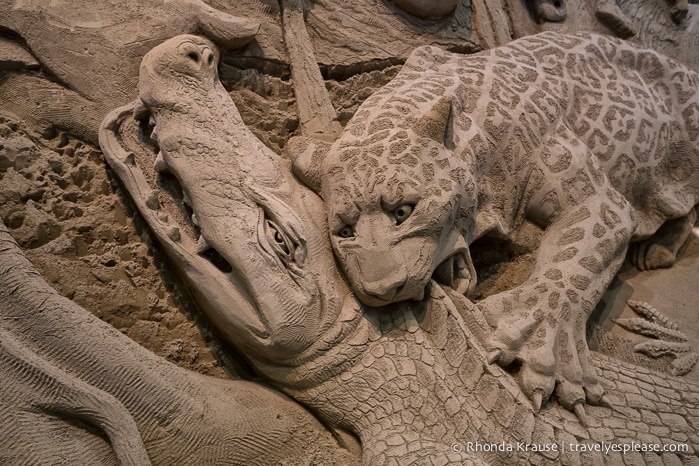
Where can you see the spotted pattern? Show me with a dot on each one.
(410, 380)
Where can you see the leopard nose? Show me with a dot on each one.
(381, 274)
(385, 289)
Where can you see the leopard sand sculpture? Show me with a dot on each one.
(410, 381)
(589, 137)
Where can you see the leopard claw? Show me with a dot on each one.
(494, 356)
(569, 394)
(604, 401)
(579, 411)
(538, 380)
(594, 393)
(537, 401)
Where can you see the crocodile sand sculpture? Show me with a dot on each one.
(411, 380)
(587, 136)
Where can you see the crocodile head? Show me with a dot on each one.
(251, 239)
(182, 65)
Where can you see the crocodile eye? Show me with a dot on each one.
(279, 239)
(282, 244)
(346, 232)
(402, 212)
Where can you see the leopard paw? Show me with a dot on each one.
(551, 351)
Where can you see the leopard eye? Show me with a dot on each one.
(346, 232)
(402, 212)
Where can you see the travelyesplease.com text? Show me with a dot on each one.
(602, 447)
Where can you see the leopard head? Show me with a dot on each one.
(396, 196)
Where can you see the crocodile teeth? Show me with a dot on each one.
(160, 166)
(202, 245)
(537, 401)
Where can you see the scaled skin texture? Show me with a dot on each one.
(591, 138)
(74, 390)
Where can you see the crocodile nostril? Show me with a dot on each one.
(194, 56)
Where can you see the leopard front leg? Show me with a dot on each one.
(541, 323)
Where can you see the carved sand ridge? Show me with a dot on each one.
(87, 370)
(667, 339)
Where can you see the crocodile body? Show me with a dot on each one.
(591, 138)
(414, 384)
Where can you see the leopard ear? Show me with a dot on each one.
(436, 124)
(307, 155)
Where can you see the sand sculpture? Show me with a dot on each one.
(426, 9)
(70, 380)
(106, 41)
(455, 148)
(347, 362)
(410, 383)
(609, 14)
